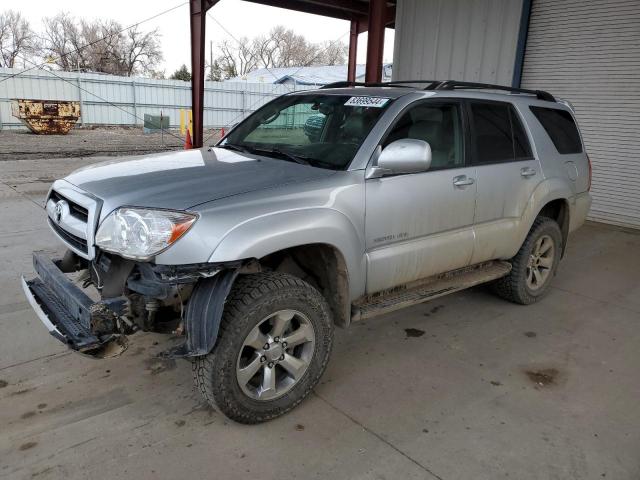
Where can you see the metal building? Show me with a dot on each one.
(587, 52)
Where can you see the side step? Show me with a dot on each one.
(428, 289)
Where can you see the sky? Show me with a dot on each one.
(240, 18)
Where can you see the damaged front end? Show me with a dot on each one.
(129, 296)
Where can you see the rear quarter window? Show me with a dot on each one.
(560, 127)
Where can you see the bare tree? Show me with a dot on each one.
(282, 47)
(100, 46)
(17, 39)
(140, 52)
(237, 59)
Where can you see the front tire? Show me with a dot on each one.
(535, 264)
(273, 346)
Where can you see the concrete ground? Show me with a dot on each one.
(464, 387)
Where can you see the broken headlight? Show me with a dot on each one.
(141, 233)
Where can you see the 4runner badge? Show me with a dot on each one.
(59, 208)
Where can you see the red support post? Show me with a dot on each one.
(375, 41)
(197, 16)
(353, 51)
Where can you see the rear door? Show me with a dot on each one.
(507, 174)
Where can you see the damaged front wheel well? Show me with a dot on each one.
(321, 265)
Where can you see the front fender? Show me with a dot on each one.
(261, 236)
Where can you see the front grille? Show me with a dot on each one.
(76, 242)
(75, 210)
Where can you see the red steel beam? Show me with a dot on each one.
(197, 16)
(375, 40)
(353, 51)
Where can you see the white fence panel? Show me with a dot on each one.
(111, 100)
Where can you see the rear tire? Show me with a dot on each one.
(251, 384)
(534, 265)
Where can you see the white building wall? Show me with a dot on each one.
(471, 40)
(589, 53)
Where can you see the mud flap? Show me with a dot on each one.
(203, 316)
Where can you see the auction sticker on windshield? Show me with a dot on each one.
(377, 102)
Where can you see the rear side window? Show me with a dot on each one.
(499, 134)
(560, 127)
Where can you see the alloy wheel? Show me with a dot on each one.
(275, 355)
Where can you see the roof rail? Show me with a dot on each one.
(344, 84)
(453, 84)
(445, 85)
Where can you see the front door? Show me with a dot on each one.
(421, 224)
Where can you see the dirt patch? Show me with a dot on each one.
(180, 423)
(544, 377)
(530, 334)
(28, 415)
(433, 310)
(414, 332)
(299, 427)
(3, 383)
(41, 406)
(156, 365)
(27, 446)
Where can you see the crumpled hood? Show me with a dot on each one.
(180, 180)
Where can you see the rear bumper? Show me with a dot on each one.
(67, 312)
(579, 206)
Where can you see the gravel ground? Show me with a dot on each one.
(86, 142)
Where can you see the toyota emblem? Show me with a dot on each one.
(59, 209)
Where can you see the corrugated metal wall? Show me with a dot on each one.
(111, 100)
(589, 54)
(472, 40)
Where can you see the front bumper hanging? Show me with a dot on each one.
(67, 312)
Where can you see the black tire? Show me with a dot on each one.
(514, 287)
(253, 298)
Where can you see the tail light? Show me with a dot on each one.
(590, 173)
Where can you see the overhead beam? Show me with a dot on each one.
(327, 8)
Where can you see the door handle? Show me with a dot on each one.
(527, 172)
(463, 181)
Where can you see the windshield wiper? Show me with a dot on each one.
(281, 154)
(232, 146)
(288, 156)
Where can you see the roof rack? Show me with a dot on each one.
(445, 85)
(453, 84)
(344, 84)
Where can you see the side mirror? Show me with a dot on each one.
(407, 155)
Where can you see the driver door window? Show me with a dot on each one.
(440, 125)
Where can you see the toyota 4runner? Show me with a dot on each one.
(321, 208)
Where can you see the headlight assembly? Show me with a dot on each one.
(141, 233)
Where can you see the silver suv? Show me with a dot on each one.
(322, 208)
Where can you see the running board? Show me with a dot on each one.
(428, 289)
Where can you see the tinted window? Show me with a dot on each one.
(437, 124)
(492, 126)
(560, 127)
(522, 148)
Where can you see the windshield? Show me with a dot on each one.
(320, 130)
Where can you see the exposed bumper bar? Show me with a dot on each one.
(44, 318)
(65, 310)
